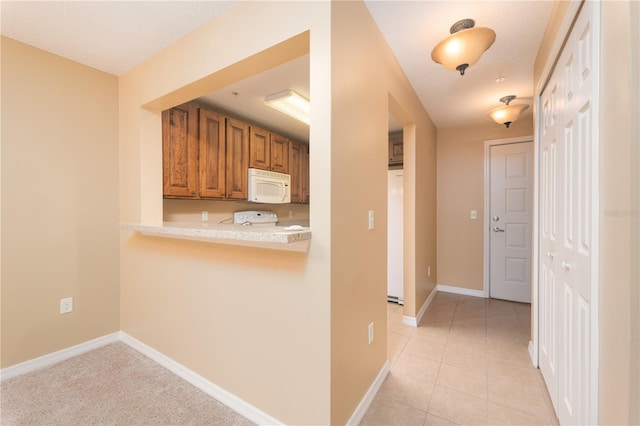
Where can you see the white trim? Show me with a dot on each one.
(533, 354)
(556, 48)
(487, 203)
(463, 291)
(368, 397)
(410, 321)
(595, 216)
(56, 357)
(235, 403)
(414, 321)
(535, 244)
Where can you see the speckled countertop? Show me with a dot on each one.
(277, 237)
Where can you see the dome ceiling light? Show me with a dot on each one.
(509, 113)
(464, 46)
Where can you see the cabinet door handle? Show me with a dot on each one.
(566, 266)
(551, 255)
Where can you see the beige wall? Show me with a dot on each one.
(634, 111)
(286, 332)
(461, 189)
(283, 331)
(615, 280)
(365, 75)
(175, 210)
(617, 277)
(59, 202)
(255, 322)
(550, 36)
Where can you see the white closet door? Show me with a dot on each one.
(566, 223)
(550, 194)
(576, 244)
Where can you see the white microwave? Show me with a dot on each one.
(269, 187)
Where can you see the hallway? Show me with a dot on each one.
(466, 363)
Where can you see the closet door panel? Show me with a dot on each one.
(567, 184)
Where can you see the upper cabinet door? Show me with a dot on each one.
(299, 170)
(395, 149)
(180, 151)
(279, 154)
(212, 155)
(304, 178)
(237, 159)
(295, 162)
(259, 148)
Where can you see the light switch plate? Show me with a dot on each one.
(473, 214)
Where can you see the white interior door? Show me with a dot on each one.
(511, 199)
(567, 152)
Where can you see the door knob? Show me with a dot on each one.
(496, 218)
(565, 266)
(496, 229)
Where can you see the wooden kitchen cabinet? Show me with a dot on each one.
(212, 152)
(180, 151)
(268, 151)
(279, 153)
(204, 154)
(237, 159)
(299, 166)
(207, 155)
(395, 149)
(305, 174)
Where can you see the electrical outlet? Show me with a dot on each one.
(205, 215)
(371, 223)
(66, 305)
(370, 333)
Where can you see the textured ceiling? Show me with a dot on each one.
(413, 28)
(115, 36)
(112, 36)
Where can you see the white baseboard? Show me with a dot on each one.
(368, 397)
(413, 322)
(410, 321)
(56, 357)
(238, 405)
(461, 290)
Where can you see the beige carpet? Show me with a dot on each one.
(113, 385)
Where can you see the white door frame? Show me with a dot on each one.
(562, 34)
(487, 201)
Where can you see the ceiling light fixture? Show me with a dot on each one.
(509, 113)
(464, 46)
(290, 103)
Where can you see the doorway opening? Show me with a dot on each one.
(395, 221)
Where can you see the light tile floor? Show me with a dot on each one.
(467, 362)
